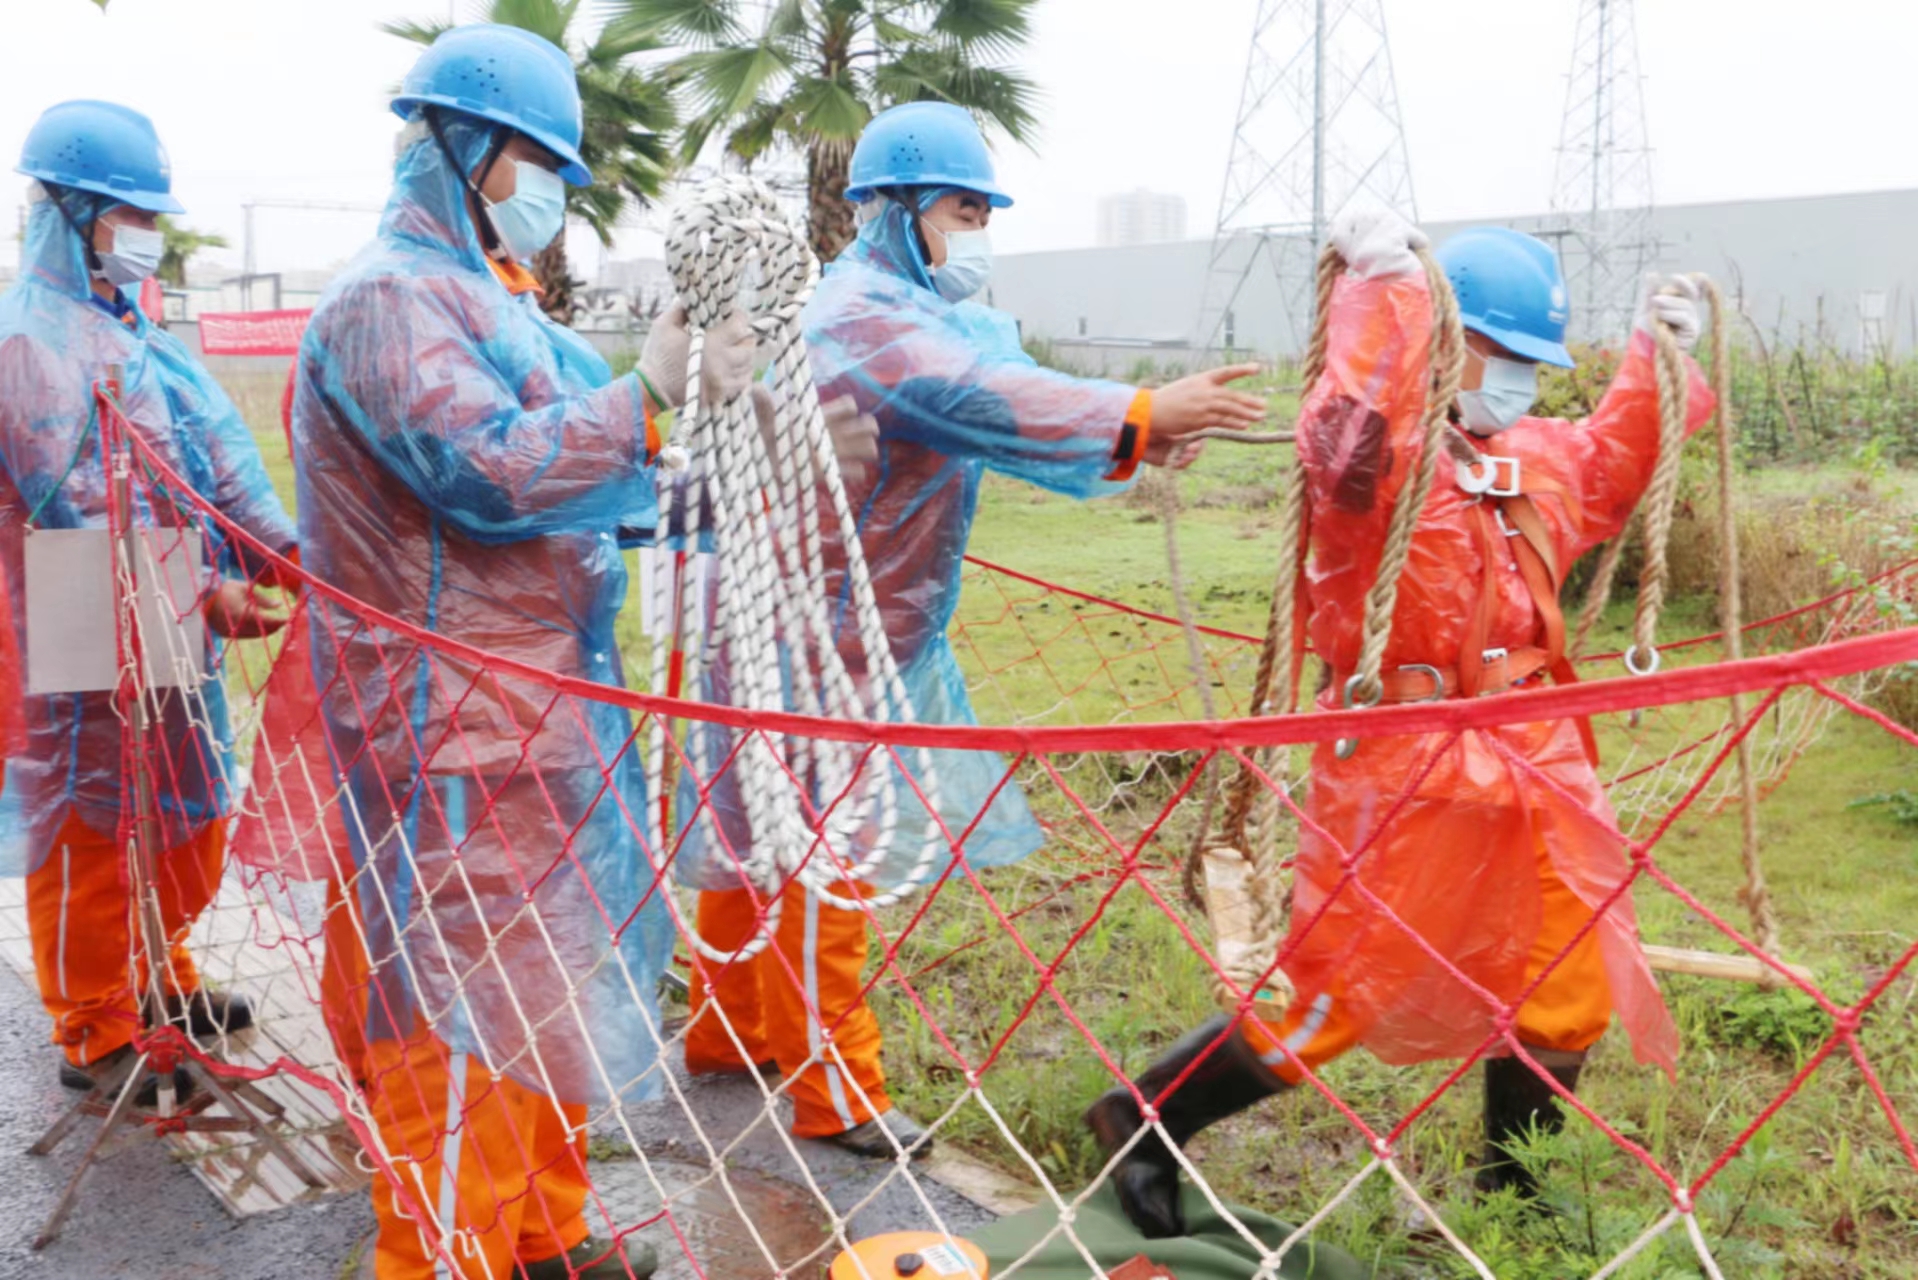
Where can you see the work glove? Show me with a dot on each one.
(855, 435)
(1376, 242)
(1673, 300)
(726, 367)
(235, 610)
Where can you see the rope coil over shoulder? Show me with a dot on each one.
(1248, 901)
(811, 806)
(1245, 893)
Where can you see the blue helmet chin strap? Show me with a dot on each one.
(501, 136)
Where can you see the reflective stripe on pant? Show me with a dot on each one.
(818, 959)
(79, 918)
(499, 1162)
(1568, 1013)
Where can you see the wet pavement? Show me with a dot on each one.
(144, 1214)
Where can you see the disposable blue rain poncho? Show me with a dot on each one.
(954, 394)
(57, 341)
(463, 464)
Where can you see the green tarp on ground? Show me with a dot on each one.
(1213, 1250)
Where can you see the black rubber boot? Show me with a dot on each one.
(207, 1015)
(1230, 1079)
(1517, 1101)
(594, 1259)
(112, 1070)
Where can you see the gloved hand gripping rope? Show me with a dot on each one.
(808, 801)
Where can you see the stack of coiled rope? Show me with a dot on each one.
(824, 813)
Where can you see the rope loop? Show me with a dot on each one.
(767, 621)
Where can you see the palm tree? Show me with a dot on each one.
(628, 117)
(180, 244)
(819, 69)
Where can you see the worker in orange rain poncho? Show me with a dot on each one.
(892, 326)
(101, 178)
(464, 464)
(1495, 847)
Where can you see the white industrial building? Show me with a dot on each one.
(1839, 270)
(1141, 217)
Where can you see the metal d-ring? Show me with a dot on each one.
(1431, 673)
(1650, 668)
(1346, 748)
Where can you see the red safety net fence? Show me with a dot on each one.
(469, 908)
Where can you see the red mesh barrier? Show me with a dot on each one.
(459, 1031)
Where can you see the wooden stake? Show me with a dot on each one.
(1716, 964)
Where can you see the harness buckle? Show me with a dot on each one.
(1431, 673)
(1491, 477)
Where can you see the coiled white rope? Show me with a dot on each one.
(811, 806)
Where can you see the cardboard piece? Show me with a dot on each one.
(72, 640)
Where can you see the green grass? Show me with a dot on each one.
(1823, 1192)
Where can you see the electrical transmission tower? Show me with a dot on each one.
(1318, 128)
(1603, 186)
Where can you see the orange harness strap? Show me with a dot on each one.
(1538, 565)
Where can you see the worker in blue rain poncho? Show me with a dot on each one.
(463, 463)
(892, 326)
(68, 327)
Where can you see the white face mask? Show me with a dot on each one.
(968, 265)
(534, 215)
(135, 255)
(1505, 394)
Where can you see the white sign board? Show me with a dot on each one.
(72, 645)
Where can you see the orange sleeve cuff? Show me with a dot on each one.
(1132, 438)
(654, 441)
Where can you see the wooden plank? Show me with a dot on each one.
(980, 1183)
(1739, 967)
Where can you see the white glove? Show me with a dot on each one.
(1377, 242)
(855, 435)
(1673, 300)
(726, 368)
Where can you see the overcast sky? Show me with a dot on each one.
(285, 100)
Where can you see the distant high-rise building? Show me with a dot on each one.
(1140, 217)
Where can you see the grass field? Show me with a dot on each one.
(1823, 1192)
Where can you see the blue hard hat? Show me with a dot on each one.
(1510, 289)
(101, 147)
(923, 144)
(508, 76)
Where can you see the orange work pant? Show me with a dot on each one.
(79, 917)
(493, 1159)
(831, 1063)
(1566, 1015)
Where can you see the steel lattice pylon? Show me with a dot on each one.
(1603, 186)
(1318, 126)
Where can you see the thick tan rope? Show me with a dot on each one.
(1654, 511)
(1448, 365)
(1245, 966)
(1755, 895)
(1599, 594)
(1661, 496)
(1272, 684)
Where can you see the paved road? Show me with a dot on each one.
(142, 1216)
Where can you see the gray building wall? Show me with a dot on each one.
(1837, 269)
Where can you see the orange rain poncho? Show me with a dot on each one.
(1458, 860)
